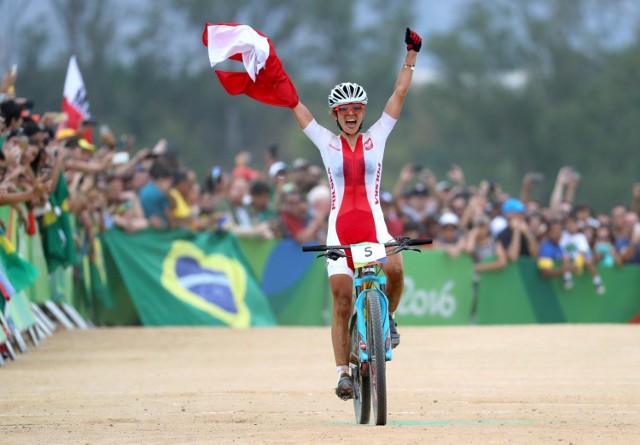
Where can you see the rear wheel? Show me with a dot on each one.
(377, 358)
(360, 374)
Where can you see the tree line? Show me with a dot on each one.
(521, 85)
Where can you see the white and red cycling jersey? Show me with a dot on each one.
(354, 179)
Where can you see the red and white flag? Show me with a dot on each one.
(74, 99)
(264, 78)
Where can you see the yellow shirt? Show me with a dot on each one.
(182, 209)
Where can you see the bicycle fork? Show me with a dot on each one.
(364, 285)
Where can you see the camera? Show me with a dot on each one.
(121, 157)
(535, 177)
(216, 174)
(573, 174)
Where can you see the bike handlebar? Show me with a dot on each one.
(405, 242)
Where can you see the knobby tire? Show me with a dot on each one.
(377, 358)
(362, 390)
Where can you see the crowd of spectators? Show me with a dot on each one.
(111, 183)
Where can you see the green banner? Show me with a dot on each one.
(519, 294)
(124, 312)
(18, 312)
(40, 291)
(184, 278)
(295, 282)
(437, 289)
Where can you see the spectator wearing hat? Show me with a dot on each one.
(487, 254)
(517, 238)
(449, 237)
(278, 169)
(80, 154)
(278, 177)
(415, 205)
(416, 202)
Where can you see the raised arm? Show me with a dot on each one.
(394, 104)
(302, 114)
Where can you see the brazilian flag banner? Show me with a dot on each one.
(180, 277)
(56, 229)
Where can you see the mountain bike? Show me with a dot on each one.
(369, 325)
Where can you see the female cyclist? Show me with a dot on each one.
(353, 162)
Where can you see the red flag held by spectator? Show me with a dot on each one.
(74, 99)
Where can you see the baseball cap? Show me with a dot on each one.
(276, 168)
(299, 164)
(65, 133)
(448, 218)
(86, 145)
(443, 185)
(419, 190)
(386, 197)
(512, 205)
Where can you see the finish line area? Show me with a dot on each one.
(489, 384)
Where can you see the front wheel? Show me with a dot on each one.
(377, 358)
(360, 375)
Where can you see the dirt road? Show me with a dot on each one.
(512, 384)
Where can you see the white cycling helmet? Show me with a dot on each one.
(347, 93)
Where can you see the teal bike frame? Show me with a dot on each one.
(367, 276)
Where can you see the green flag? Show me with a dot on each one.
(184, 278)
(56, 230)
(21, 273)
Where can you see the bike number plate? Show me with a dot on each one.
(368, 253)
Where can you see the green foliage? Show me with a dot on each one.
(575, 108)
(576, 103)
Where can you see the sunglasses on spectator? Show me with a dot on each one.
(344, 109)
